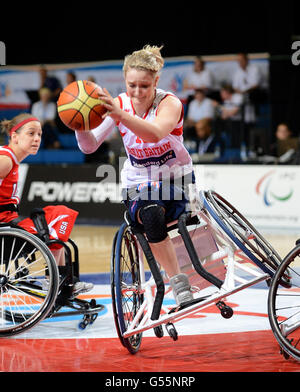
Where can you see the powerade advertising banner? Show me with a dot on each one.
(266, 195)
(86, 189)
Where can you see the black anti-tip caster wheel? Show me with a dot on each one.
(159, 332)
(226, 311)
(88, 319)
(284, 353)
(82, 325)
(172, 331)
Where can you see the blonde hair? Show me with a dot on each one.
(147, 59)
(7, 125)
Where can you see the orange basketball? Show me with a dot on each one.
(79, 107)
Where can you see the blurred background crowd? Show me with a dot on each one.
(225, 122)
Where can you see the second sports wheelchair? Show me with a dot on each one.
(222, 253)
(32, 287)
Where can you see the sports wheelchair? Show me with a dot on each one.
(222, 253)
(32, 287)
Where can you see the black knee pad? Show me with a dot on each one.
(153, 219)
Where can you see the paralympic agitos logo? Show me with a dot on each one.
(275, 188)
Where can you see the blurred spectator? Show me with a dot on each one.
(200, 77)
(70, 77)
(230, 115)
(206, 141)
(247, 76)
(245, 81)
(231, 107)
(51, 82)
(200, 107)
(5, 90)
(91, 79)
(285, 141)
(45, 111)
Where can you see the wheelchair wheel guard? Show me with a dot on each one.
(241, 232)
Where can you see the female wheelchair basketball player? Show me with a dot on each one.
(25, 132)
(153, 178)
(158, 167)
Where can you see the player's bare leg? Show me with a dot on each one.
(164, 253)
(153, 219)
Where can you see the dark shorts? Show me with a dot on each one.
(171, 196)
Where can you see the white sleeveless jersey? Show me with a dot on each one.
(146, 161)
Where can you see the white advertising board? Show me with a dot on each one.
(266, 195)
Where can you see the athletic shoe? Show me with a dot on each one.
(78, 287)
(181, 288)
(81, 287)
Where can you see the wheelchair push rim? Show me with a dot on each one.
(284, 305)
(125, 286)
(241, 232)
(28, 281)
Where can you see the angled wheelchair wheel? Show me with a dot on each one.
(242, 232)
(113, 288)
(28, 281)
(284, 305)
(125, 286)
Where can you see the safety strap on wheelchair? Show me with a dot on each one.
(9, 207)
(182, 230)
(17, 220)
(38, 217)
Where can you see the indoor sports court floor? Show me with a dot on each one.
(207, 342)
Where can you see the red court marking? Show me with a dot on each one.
(90, 296)
(233, 352)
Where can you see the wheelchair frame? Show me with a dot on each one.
(89, 309)
(248, 259)
(21, 290)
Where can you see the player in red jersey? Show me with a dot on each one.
(25, 133)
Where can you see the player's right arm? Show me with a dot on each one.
(5, 166)
(90, 141)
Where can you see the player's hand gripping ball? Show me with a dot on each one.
(79, 107)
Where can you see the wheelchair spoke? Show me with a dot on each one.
(29, 275)
(17, 310)
(10, 257)
(2, 254)
(25, 262)
(2, 305)
(30, 296)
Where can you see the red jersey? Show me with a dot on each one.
(9, 185)
(60, 219)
